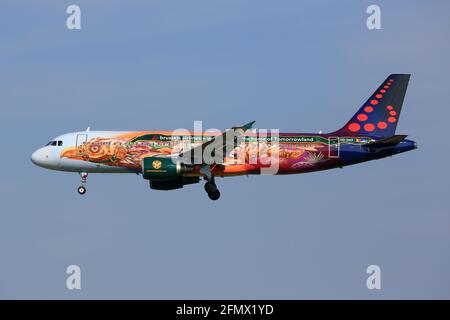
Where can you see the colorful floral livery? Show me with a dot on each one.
(169, 160)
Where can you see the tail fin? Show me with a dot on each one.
(379, 115)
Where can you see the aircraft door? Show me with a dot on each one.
(333, 147)
(81, 140)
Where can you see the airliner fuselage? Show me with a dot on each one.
(122, 152)
(172, 159)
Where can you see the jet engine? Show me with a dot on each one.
(164, 168)
(166, 173)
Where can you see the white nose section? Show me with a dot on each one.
(38, 158)
(43, 158)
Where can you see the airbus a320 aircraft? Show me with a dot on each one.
(161, 156)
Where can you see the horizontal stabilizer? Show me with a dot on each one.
(386, 142)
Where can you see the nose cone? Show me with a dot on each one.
(43, 158)
(38, 158)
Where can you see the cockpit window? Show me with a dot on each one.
(58, 143)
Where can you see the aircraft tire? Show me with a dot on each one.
(81, 190)
(210, 187)
(215, 195)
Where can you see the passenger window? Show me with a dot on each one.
(59, 143)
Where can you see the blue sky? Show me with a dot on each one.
(297, 66)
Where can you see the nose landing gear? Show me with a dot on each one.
(82, 189)
(211, 190)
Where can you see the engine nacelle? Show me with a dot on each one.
(171, 184)
(163, 168)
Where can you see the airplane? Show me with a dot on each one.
(161, 157)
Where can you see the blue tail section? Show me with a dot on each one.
(380, 113)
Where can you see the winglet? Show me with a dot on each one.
(245, 127)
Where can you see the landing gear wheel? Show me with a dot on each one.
(211, 190)
(81, 190)
(215, 195)
(210, 187)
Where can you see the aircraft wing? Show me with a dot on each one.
(228, 140)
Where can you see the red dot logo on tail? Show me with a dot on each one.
(382, 125)
(369, 127)
(361, 117)
(354, 127)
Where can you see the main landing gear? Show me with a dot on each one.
(82, 189)
(210, 185)
(211, 189)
